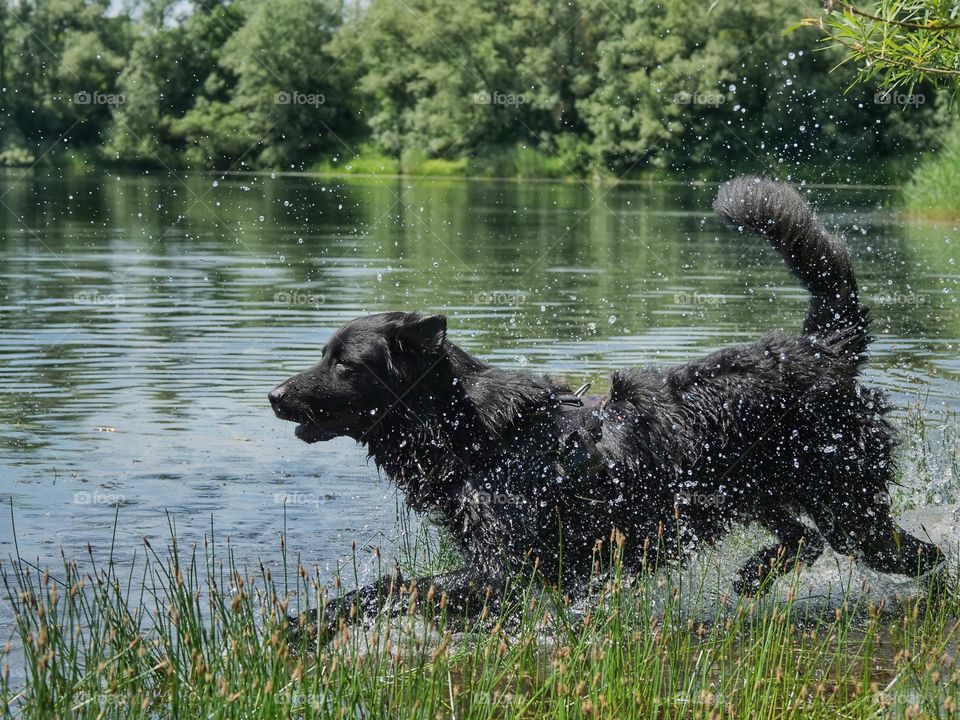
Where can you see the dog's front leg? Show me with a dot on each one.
(383, 594)
(464, 593)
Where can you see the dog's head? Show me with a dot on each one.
(367, 367)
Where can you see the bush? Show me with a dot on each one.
(417, 162)
(16, 156)
(369, 160)
(519, 161)
(934, 188)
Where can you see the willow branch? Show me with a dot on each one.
(880, 58)
(888, 21)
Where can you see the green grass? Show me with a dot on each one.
(419, 163)
(204, 639)
(368, 161)
(16, 156)
(934, 188)
(186, 632)
(524, 161)
(513, 162)
(570, 159)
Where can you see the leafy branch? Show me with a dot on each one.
(901, 44)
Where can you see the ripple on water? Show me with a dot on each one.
(136, 352)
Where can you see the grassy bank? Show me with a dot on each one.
(188, 632)
(934, 188)
(518, 162)
(574, 163)
(204, 638)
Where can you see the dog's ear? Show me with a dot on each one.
(422, 332)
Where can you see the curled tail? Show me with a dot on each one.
(818, 258)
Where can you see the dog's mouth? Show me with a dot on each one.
(313, 424)
(308, 429)
(311, 433)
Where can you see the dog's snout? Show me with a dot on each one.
(276, 396)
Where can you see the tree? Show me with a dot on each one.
(670, 84)
(174, 66)
(906, 49)
(898, 44)
(69, 51)
(290, 99)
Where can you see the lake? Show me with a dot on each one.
(144, 318)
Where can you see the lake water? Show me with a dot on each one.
(143, 320)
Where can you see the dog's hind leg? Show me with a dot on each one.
(874, 538)
(798, 543)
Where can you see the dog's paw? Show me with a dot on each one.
(303, 630)
(746, 587)
(749, 582)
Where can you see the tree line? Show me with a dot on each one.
(552, 87)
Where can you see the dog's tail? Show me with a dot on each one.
(818, 258)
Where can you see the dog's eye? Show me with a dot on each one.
(341, 364)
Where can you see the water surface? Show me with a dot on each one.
(144, 319)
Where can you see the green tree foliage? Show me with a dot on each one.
(897, 43)
(677, 83)
(290, 91)
(237, 83)
(56, 56)
(452, 76)
(558, 87)
(905, 49)
(173, 66)
(685, 83)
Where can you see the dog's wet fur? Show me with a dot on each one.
(778, 431)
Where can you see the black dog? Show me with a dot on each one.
(517, 470)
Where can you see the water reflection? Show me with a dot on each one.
(143, 319)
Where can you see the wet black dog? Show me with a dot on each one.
(515, 471)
